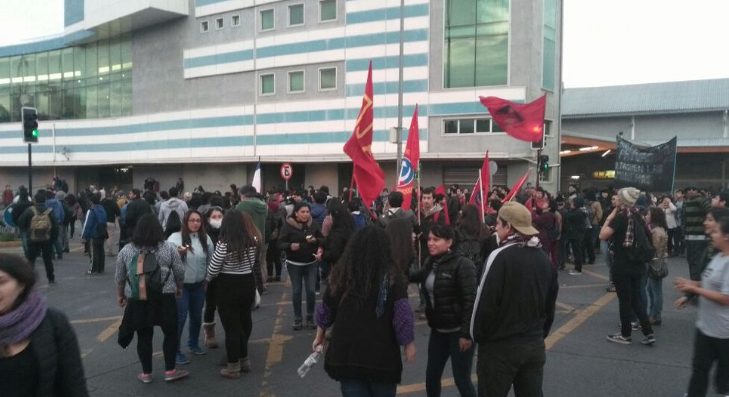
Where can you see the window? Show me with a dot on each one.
(327, 79)
(235, 20)
(470, 126)
(327, 10)
(296, 81)
(476, 43)
(219, 24)
(267, 20)
(268, 84)
(204, 26)
(549, 52)
(296, 15)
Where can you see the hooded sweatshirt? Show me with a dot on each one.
(173, 204)
(257, 209)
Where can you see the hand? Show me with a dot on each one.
(178, 293)
(121, 301)
(319, 340)
(205, 285)
(318, 255)
(181, 250)
(464, 344)
(295, 246)
(681, 302)
(685, 285)
(410, 352)
(310, 239)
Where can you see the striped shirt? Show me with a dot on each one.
(229, 262)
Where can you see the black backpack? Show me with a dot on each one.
(642, 251)
(471, 249)
(144, 276)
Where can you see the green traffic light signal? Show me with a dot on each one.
(35, 133)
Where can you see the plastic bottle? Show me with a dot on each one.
(310, 362)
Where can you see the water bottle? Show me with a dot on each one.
(309, 362)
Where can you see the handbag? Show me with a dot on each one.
(658, 269)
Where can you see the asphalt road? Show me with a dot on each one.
(580, 362)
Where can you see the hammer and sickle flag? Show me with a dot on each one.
(368, 175)
(524, 122)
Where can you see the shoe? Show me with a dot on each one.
(297, 325)
(181, 359)
(198, 351)
(209, 332)
(422, 316)
(655, 320)
(245, 365)
(591, 262)
(310, 322)
(635, 326)
(145, 378)
(232, 371)
(59, 257)
(265, 291)
(561, 267)
(574, 273)
(277, 278)
(420, 309)
(175, 374)
(619, 338)
(66, 250)
(648, 340)
(610, 288)
(91, 272)
(51, 282)
(269, 279)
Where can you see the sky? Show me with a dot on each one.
(606, 42)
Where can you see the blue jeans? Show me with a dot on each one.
(363, 388)
(299, 275)
(24, 238)
(654, 289)
(441, 346)
(192, 302)
(605, 250)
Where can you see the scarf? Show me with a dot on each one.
(517, 238)
(17, 325)
(382, 296)
(630, 232)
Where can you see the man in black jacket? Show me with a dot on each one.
(514, 308)
(137, 207)
(40, 246)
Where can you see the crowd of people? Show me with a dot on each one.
(486, 274)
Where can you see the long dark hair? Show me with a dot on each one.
(201, 233)
(341, 218)
(470, 222)
(366, 260)
(239, 232)
(17, 267)
(400, 232)
(148, 232)
(658, 217)
(173, 225)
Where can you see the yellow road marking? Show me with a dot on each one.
(596, 275)
(602, 285)
(565, 306)
(95, 320)
(276, 346)
(83, 355)
(580, 318)
(109, 331)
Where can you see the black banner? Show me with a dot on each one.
(646, 168)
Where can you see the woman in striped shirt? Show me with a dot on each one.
(233, 265)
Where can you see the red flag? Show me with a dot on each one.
(367, 173)
(517, 186)
(522, 121)
(486, 175)
(441, 190)
(410, 159)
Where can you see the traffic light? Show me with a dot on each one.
(543, 165)
(29, 118)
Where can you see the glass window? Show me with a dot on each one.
(126, 52)
(104, 99)
(92, 108)
(549, 51)
(115, 100)
(103, 56)
(296, 15)
(79, 63)
(476, 43)
(267, 22)
(296, 81)
(235, 20)
(27, 65)
(466, 126)
(54, 65)
(483, 125)
(268, 84)
(327, 79)
(5, 71)
(450, 126)
(219, 24)
(92, 64)
(67, 63)
(204, 26)
(115, 62)
(327, 10)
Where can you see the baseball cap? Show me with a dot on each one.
(519, 217)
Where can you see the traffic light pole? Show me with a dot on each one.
(539, 165)
(30, 170)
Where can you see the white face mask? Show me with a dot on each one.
(216, 223)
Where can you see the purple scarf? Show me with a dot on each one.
(17, 325)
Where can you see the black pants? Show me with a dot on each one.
(671, 238)
(628, 288)
(706, 351)
(210, 304)
(164, 314)
(588, 246)
(694, 255)
(577, 251)
(235, 294)
(46, 250)
(679, 247)
(273, 259)
(98, 259)
(501, 365)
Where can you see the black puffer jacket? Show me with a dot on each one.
(454, 292)
(295, 232)
(59, 360)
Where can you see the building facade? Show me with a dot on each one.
(697, 112)
(204, 89)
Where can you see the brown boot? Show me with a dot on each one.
(232, 371)
(209, 331)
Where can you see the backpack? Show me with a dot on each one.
(144, 276)
(40, 226)
(471, 249)
(642, 251)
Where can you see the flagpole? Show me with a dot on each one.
(417, 206)
(351, 184)
(398, 166)
(483, 198)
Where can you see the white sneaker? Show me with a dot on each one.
(574, 273)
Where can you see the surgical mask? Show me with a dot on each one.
(216, 223)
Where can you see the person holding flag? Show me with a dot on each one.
(410, 162)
